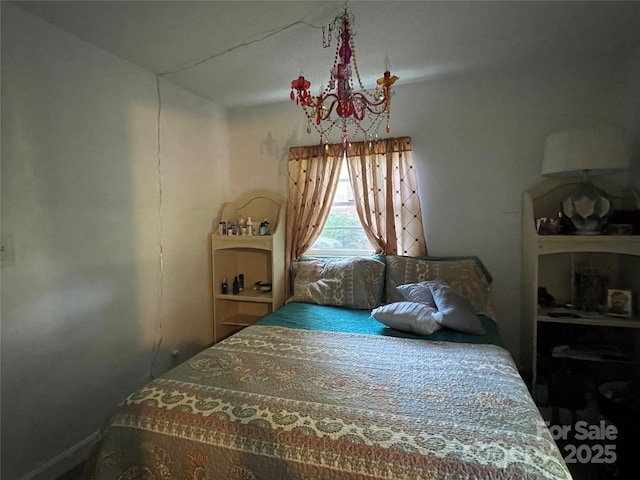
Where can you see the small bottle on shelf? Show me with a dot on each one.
(264, 227)
(224, 287)
(236, 286)
(241, 282)
(249, 226)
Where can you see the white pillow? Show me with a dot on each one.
(409, 317)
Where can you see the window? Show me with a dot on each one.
(343, 234)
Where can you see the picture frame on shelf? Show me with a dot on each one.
(619, 302)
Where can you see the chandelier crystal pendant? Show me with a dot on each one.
(339, 104)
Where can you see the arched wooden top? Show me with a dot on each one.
(257, 204)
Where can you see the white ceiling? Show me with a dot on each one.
(244, 53)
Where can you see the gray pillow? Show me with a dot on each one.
(417, 292)
(456, 310)
(409, 317)
(465, 274)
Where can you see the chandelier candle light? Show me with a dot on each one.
(338, 103)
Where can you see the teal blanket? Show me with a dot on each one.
(307, 316)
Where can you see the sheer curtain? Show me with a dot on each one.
(313, 178)
(385, 188)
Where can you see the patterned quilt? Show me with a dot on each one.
(274, 403)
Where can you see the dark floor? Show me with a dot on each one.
(586, 470)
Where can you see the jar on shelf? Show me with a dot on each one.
(264, 227)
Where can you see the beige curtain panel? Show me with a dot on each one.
(313, 178)
(385, 188)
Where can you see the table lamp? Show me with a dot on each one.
(581, 153)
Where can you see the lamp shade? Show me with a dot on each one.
(598, 150)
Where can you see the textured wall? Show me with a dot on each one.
(88, 202)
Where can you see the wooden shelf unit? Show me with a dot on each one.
(550, 261)
(260, 258)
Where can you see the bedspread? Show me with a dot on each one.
(274, 403)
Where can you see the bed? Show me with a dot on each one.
(323, 390)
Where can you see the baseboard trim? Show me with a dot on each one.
(65, 461)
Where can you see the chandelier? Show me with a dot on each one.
(339, 104)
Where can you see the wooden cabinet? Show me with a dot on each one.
(259, 258)
(574, 352)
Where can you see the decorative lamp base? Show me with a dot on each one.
(587, 208)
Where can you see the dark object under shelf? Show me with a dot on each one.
(568, 389)
(619, 402)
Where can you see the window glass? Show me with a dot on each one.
(343, 234)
